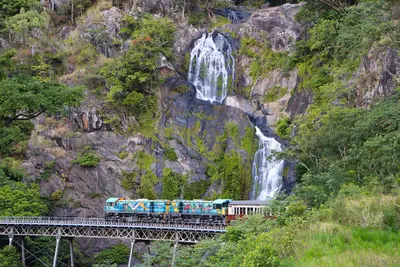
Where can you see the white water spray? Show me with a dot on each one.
(267, 173)
(211, 67)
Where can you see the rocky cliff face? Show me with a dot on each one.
(189, 126)
(377, 76)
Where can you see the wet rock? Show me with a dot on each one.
(241, 103)
(235, 15)
(194, 127)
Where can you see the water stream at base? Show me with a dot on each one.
(267, 173)
(211, 67)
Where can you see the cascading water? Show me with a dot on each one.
(211, 67)
(267, 173)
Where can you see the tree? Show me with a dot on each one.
(172, 184)
(27, 26)
(18, 199)
(136, 71)
(146, 187)
(9, 257)
(9, 8)
(23, 98)
(117, 254)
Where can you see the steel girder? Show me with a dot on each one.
(185, 236)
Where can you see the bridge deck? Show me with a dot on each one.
(100, 228)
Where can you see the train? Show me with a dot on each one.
(198, 211)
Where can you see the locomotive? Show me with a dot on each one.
(217, 212)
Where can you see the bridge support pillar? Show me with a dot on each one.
(11, 236)
(71, 251)
(23, 251)
(175, 248)
(58, 239)
(133, 240)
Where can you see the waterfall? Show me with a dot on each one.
(211, 67)
(267, 173)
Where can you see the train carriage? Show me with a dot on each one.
(240, 208)
(220, 211)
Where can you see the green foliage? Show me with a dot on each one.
(117, 254)
(133, 77)
(123, 154)
(144, 160)
(263, 58)
(88, 158)
(350, 145)
(10, 169)
(24, 98)
(172, 184)
(274, 93)
(195, 190)
(248, 142)
(147, 179)
(9, 257)
(170, 154)
(333, 245)
(18, 199)
(197, 18)
(129, 180)
(220, 21)
(87, 55)
(48, 169)
(146, 187)
(327, 60)
(283, 128)
(230, 172)
(27, 25)
(160, 255)
(9, 8)
(7, 65)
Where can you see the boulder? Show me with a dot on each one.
(277, 24)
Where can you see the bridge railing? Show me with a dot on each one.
(98, 221)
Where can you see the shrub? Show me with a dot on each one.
(129, 180)
(56, 195)
(172, 184)
(117, 254)
(275, 93)
(170, 154)
(87, 159)
(283, 128)
(123, 154)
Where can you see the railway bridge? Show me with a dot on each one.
(72, 227)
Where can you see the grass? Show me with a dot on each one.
(275, 93)
(345, 246)
(220, 21)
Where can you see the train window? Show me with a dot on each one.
(218, 206)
